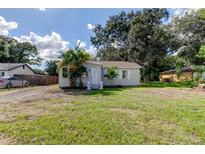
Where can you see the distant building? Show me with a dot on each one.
(10, 69)
(171, 76)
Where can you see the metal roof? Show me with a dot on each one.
(184, 69)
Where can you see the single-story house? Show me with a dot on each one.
(10, 69)
(186, 75)
(128, 74)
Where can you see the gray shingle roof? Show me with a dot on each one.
(118, 64)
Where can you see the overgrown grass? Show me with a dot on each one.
(140, 115)
(185, 84)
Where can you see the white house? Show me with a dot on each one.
(128, 74)
(9, 69)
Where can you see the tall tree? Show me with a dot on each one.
(190, 30)
(137, 37)
(18, 52)
(6, 45)
(51, 67)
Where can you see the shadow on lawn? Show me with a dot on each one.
(104, 92)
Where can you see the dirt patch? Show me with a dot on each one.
(198, 90)
(5, 140)
(173, 93)
(30, 94)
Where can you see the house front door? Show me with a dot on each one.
(94, 76)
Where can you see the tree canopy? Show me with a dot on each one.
(147, 38)
(18, 52)
(51, 67)
(137, 37)
(190, 30)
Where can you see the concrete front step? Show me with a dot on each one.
(95, 86)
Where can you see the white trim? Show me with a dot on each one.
(128, 74)
(104, 71)
(120, 74)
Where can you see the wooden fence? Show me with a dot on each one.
(38, 79)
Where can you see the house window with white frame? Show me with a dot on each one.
(124, 74)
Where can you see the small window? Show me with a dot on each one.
(65, 72)
(23, 66)
(105, 72)
(2, 73)
(125, 74)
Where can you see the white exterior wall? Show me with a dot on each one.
(5, 73)
(132, 80)
(89, 66)
(64, 82)
(18, 70)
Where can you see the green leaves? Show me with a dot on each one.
(137, 37)
(201, 53)
(74, 59)
(202, 13)
(190, 30)
(17, 52)
(111, 73)
(51, 67)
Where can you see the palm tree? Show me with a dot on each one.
(74, 59)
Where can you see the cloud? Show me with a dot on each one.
(92, 50)
(49, 46)
(180, 12)
(6, 26)
(81, 44)
(42, 9)
(90, 26)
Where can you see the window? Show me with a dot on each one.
(125, 74)
(23, 66)
(105, 72)
(65, 72)
(2, 73)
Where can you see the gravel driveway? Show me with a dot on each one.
(30, 94)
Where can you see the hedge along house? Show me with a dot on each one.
(171, 75)
(128, 74)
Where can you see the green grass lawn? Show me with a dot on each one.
(184, 84)
(138, 115)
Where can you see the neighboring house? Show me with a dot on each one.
(186, 75)
(10, 69)
(128, 74)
